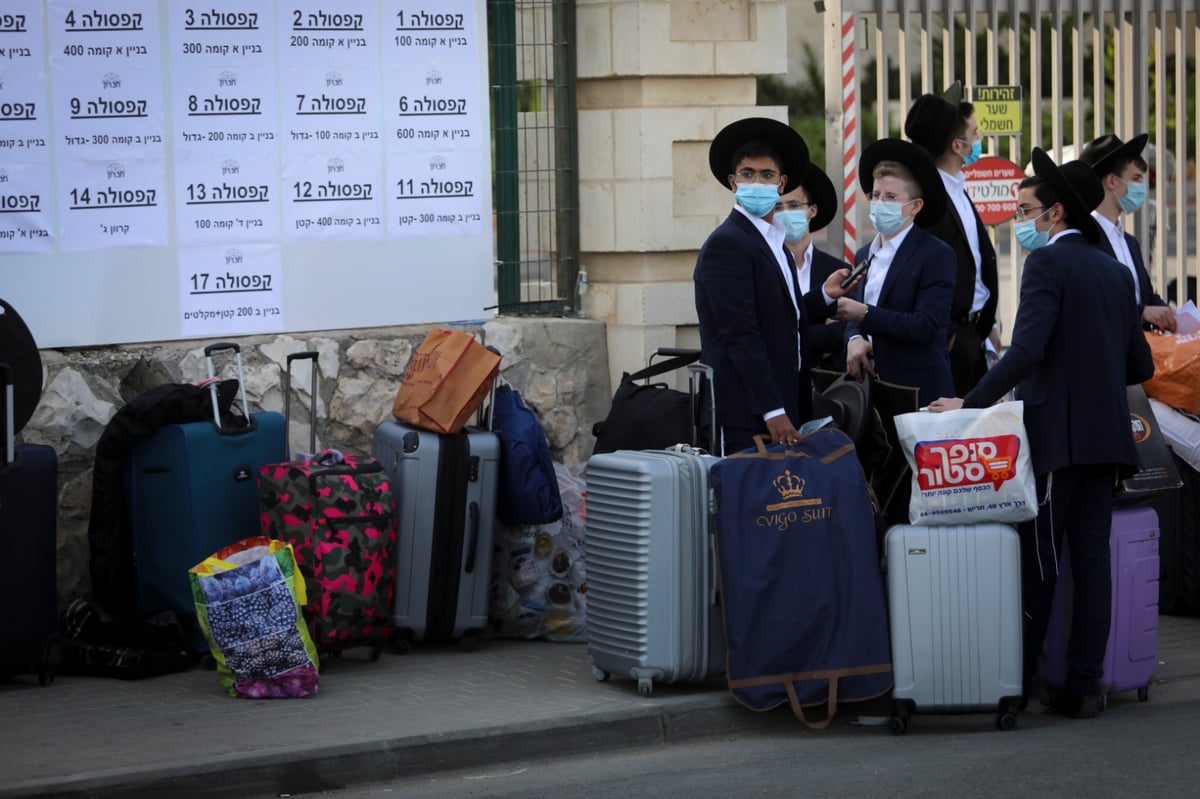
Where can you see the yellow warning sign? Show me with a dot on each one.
(997, 109)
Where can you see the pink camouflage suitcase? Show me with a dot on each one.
(337, 512)
(1132, 651)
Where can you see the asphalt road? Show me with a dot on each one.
(1134, 749)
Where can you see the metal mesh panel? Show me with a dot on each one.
(533, 95)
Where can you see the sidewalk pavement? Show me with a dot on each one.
(430, 710)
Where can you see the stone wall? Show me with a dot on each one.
(560, 367)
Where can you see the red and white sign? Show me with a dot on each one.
(992, 186)
(967, 462)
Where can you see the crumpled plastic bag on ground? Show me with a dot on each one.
(539, 581)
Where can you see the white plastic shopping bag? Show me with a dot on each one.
(969, 466)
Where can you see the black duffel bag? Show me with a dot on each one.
(650, 415)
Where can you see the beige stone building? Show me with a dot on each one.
(656, 81)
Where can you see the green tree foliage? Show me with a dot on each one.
(805, 101)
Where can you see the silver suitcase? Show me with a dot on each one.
(445, 493)
(954, 611)
(652, 611)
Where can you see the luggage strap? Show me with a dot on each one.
(789, 683)
(669, 365)
(763, 452)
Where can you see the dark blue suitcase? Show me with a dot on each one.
(191, 489)
(28, 530)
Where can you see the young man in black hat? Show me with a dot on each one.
(1122, 172)
(945, 127)
(803, 211)
(898, 318)
(1077, 343)
(753, 320)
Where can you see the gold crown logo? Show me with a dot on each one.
(789, 485)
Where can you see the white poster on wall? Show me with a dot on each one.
(117, 202)
(25, 207)
(145, 139)
(224, 200)
(230, 290)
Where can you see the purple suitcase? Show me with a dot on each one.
(1132, 649)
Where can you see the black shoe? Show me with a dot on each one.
(1078, 707)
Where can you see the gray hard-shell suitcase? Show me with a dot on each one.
(653, 612)
(954, 612)
(444, 487)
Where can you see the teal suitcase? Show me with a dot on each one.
(191, 489)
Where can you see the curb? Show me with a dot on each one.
(307, 769)
(328, 767)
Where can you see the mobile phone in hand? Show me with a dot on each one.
(855, 272)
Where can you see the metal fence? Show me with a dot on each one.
(532, 64)
(1084, 68)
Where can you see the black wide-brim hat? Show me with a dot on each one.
(1102, 153)
(932, 118)
(1077, 187)
(918, 162)
(781, 137)
(849, 402)
(20, 366)
(820, 191)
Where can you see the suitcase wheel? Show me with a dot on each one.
(901, 710)
(645, 686)
(376, 652)
(401, 643)
(1144, 693)
(1006, 720)
(45, 675)
(600, 674)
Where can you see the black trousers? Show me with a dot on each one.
(967, 361)
(739, 438)
(1079, 509)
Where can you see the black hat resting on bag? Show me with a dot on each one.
(918, 162)
(1077, 187)
(932, 118)
(781, 137)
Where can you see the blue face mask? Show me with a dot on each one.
(1135, 196)
(1028, 236)
(795, 224)
(758, 199)
(976, 153)
(887, 215)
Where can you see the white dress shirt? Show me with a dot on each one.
(1116, 237)
(804, 269)
(956, 190)
(881, 253)
(775, 237)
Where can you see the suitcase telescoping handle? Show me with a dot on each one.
(10, 450)
(212, 383)
(310, 355)
(700, 374)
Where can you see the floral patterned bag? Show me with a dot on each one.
(248, 598)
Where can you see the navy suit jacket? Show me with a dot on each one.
(826, 340)
(748, 328)
(1077, 342)
(910, 325)
(950, 230)
(1145, 290)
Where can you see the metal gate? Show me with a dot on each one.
(1084, 68)
(532, 66)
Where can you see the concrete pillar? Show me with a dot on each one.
(656, 80)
